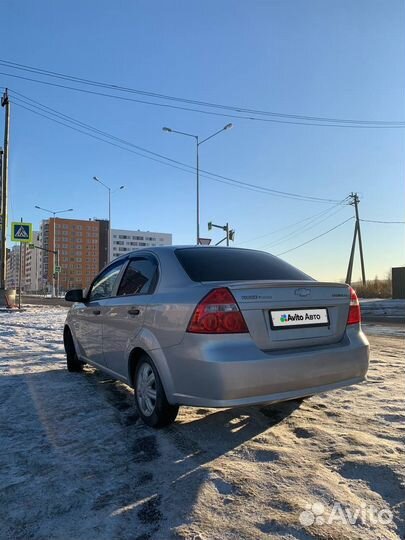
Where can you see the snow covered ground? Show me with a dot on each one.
(76, 464)
(382, 308)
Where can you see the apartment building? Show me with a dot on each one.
(82, 248)
(29, 267)
(13, 266)
(124, 241)
(32, 265)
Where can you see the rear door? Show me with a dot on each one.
(124, 315)
(89, 316)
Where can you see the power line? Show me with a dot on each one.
(213, 176)
(312, 223)
(234, 183)
(95, 137)
(315, 237)
(378, 221)
(63, 118)
(288, 226)
(123, 98)
(200, 111)
(333, 122)
(68, 118)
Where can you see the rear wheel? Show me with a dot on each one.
(150, 397)
(72, 361)
(303, 398)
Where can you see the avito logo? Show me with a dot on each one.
(296, 317)
(287, 317)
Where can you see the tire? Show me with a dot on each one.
(302, 399)
(150, 397)
(72, 361)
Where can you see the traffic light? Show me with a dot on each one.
(231, 235)
(209, 225)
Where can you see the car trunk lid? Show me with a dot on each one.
(287, 314)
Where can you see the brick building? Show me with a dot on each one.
(82, 247)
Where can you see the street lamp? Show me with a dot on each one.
(55, 283)
(109, 213)
(198, 144)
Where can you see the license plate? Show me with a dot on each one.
(295, 318)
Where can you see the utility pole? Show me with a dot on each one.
(5, 102)
(350, 267)
(2, 244)
(357, 233)
(54, 291)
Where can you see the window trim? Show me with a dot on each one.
(154, 280)
(124, 264)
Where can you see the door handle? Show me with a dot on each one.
(133, 311)
(96, 311)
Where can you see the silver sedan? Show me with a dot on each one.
(215, 327)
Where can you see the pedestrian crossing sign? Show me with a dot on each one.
(21, 232)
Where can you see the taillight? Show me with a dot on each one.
(354, 316)
(217, 313)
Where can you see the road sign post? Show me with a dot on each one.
(21, 232)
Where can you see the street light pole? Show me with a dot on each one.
(55, 258)
(198, 191)
(198, 144)
(54, 282)
(109, 214)
(109, 226)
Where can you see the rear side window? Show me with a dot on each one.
(139, 278)
(232, 264)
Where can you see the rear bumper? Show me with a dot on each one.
(210, 371)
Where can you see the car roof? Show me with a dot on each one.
(160, 249)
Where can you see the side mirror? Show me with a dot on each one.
(75, 295)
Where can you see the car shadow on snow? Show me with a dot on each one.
(170, 465)
(91, 466)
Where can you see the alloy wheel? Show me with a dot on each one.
(146, 389)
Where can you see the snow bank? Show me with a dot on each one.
(376, 307)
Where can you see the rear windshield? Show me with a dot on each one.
(232, 264)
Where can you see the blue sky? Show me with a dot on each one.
(338, 58)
